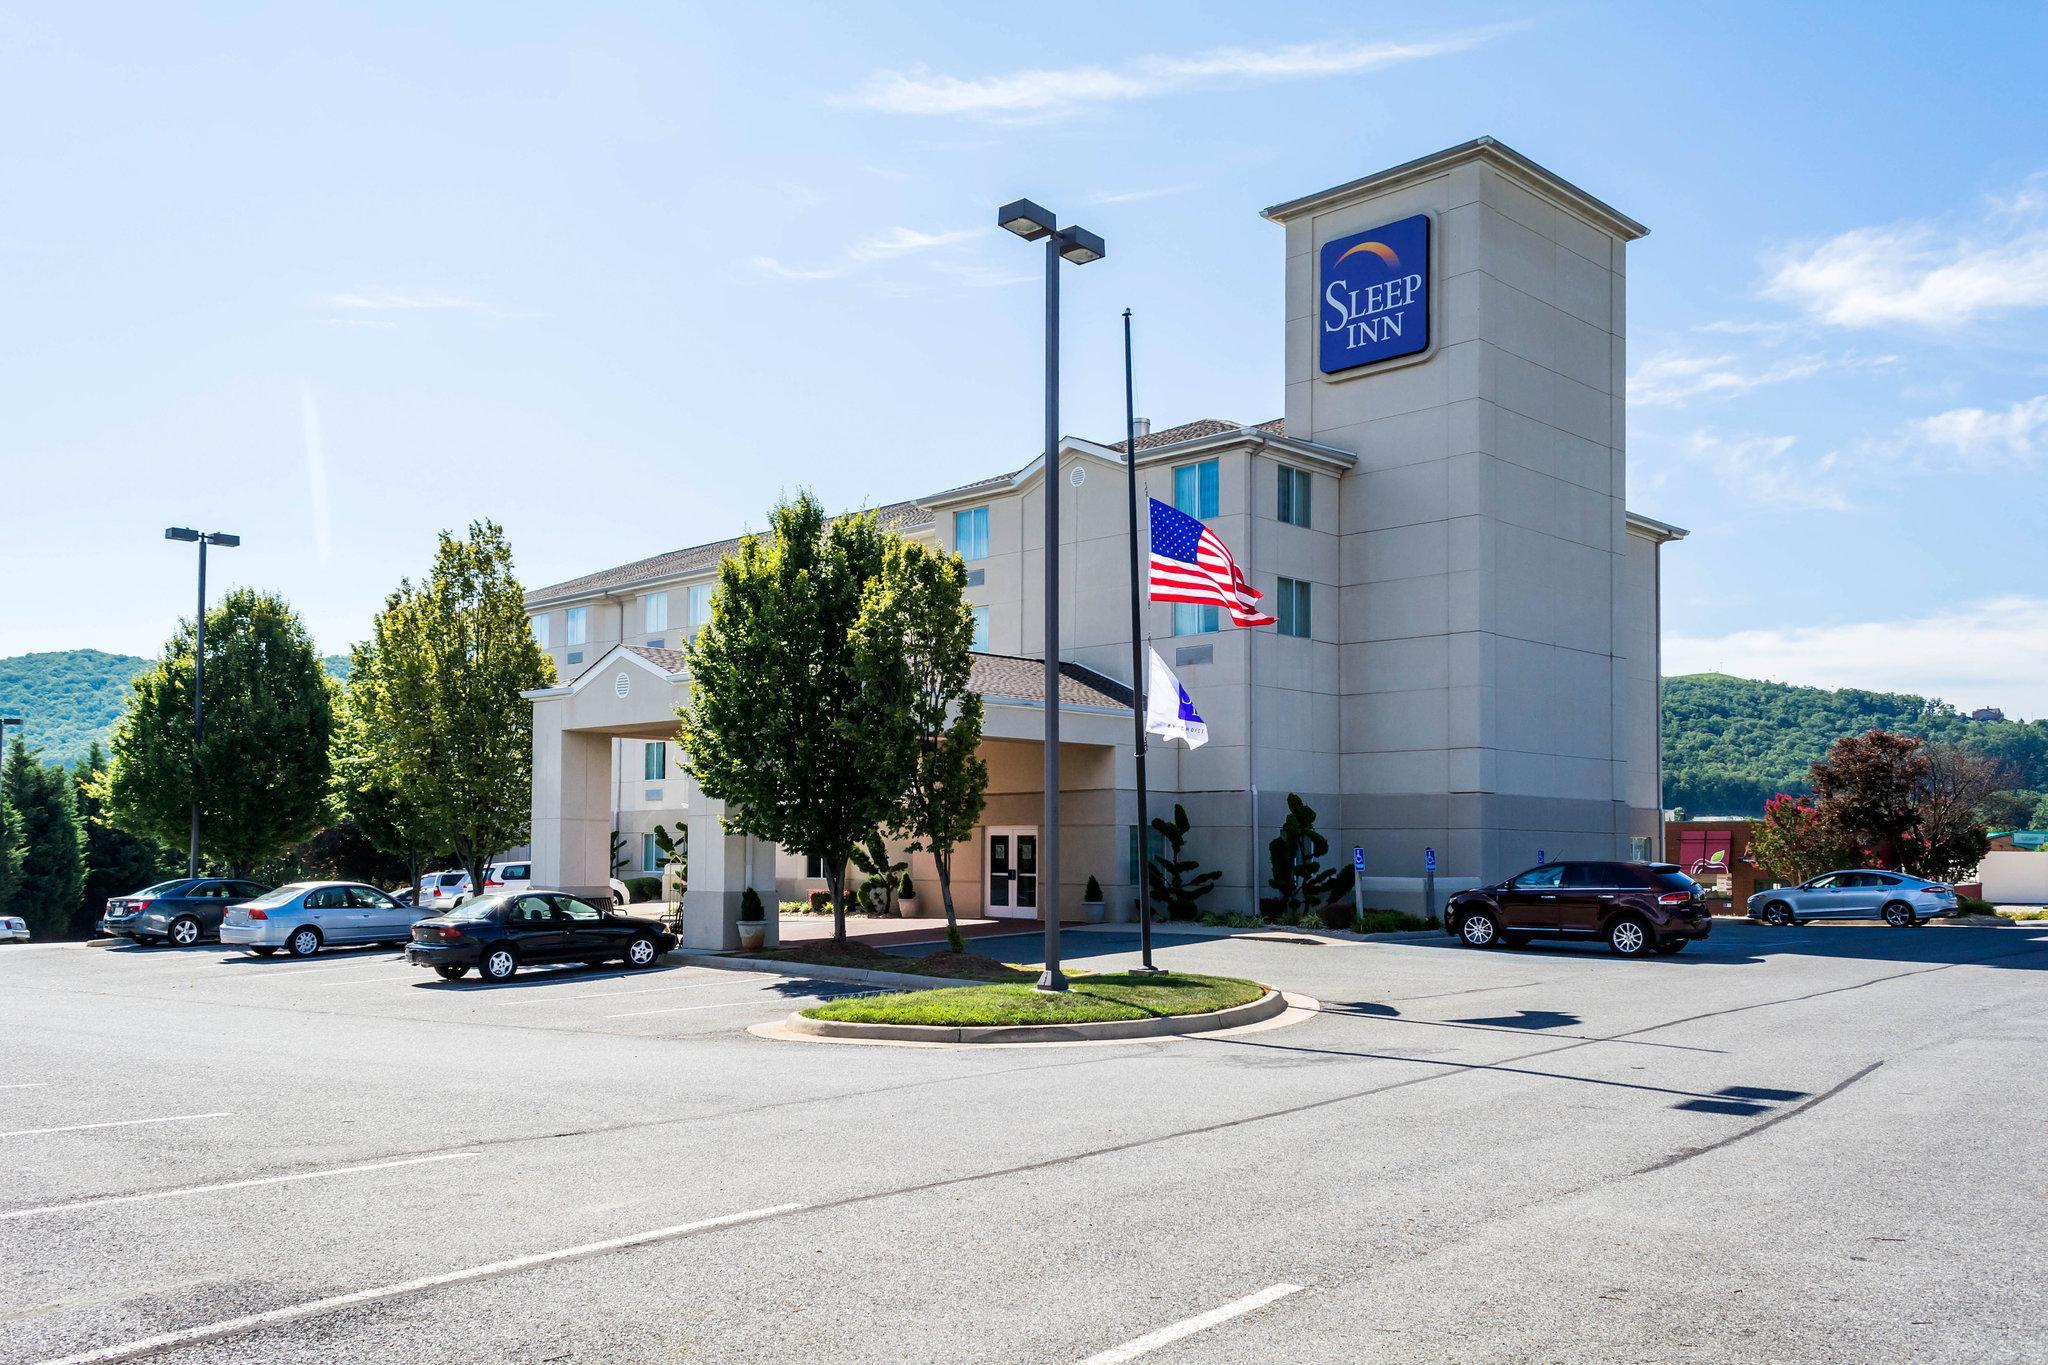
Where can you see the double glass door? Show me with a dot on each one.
(1012, 872)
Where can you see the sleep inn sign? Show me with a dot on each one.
(1375, 293)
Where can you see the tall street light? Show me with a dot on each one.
(1079, 246)
(225, 541)
(20, 726)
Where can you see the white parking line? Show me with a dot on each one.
(1152, 1341)
(130, 1350)
(117, 1123)
(536, 997)
(233, 1185)
(685, 1009)
(21, 1085)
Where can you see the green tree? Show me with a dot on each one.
(1949, 837)
(1175, 883)
(116, 862)
(917, 647)
(379, 809)
(439, 689)
(262, 773)
(1868, 789)
(52, 875)
(2010, 809)
(778, 725)
(10, 837)
(1297, 852)
(2040, 818)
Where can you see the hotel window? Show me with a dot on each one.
(1191, 618)
(650, 854)
(980, 644)
(814, 867)
(657, 612)
(578, 622)
(1156, 846)
(1291, 606)
(540, 631)
(1194, 489)
(655, 761)
(1294, 496)
(970, 533)
(700, 608)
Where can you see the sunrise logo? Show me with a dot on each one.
(1379, 249)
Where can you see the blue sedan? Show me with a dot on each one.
(1861, 893)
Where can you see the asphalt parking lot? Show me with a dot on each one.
(1802, 1144)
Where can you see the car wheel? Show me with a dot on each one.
(642, 952)
(1778, 913)
(184, 931)
(304, 942)
(618, 901)
(1478, 929)
(498, 963)
(1628, 937)
(263, 952)
(1666, 947)
(451, 972)
(1514, 940)
(1899, 915)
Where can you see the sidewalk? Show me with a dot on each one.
(881, 932)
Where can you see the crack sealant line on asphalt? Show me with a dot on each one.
(1753, 1129)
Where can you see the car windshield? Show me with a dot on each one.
(1671, 879)
(161, 888)
(282, 894)
(452, 878)
(480, 908)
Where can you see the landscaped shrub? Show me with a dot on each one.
(906, 891)
(1228, 921)
(1296, 854)
(643, 888)
(750, 905)
(1093, 895)
(1392, 922)
(821, 902)
(1174, 881)
(794, 908)
(1337, 915)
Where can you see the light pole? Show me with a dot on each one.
(19, 724)
(225, 541)
(1079, 246)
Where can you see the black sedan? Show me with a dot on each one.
(499, 934)
(183, 911)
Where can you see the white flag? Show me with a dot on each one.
(1169, 711)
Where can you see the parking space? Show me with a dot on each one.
(348, 1158)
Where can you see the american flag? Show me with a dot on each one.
(1189, 564)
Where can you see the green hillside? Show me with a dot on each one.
(1731, 743)
(69, 698)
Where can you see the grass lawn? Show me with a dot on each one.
(1093, 999)
(854, 953)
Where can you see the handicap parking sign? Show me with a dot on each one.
(1357, 858)
(1429, 859)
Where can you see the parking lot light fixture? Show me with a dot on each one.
(225, 540)
(1077, 246)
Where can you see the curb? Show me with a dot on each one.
(1267, 1006)
(859, 976)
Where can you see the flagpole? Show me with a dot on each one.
(1139, 671)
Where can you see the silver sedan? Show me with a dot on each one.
(1859, 893)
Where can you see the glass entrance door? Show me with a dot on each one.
(1012, 872)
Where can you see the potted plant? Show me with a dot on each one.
(906, 897)
(753, 921)
(1091, 900)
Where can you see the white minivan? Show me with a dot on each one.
(440, 890)
(305, 917)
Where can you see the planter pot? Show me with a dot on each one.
(753, 933)
(907, 908)
(1092, 911)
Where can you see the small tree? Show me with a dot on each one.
(2040, 816)
(1868, 787)
(379, 809)
(779, 725)
(1175, 883)
(1795, 841)
(917, 638)
(675, 855)
(447, 662)
(1297, 851)
(262, 772)
(1949, 837)
(116, 862)
(52, 869)
(619, 858)
(882, 873)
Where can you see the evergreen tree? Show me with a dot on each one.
(52, 872)
(116, 862)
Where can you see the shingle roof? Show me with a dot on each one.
(896, 516)
(1013, 677)
(673, 660)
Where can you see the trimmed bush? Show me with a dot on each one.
(751, 908)
(821, 902)
(906, 891)
(1093, 895)
(1337, 915)
(643, 888)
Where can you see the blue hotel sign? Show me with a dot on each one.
(1375, 295)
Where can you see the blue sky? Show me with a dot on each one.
(336, 278)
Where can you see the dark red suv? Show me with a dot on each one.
(1639, 908)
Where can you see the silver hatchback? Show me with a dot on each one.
(1859, 893)
(305, 917)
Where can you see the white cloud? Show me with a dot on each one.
(1136, 196)
(891, 245)
(1981, 435)
(1050, 92)
(1934, 276)
(1671, 379)
(1764, 472)
(1986, 653)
